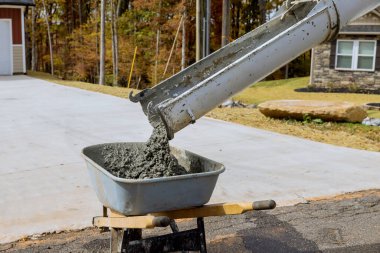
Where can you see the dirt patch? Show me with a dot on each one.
(152, 160)
(345, 196)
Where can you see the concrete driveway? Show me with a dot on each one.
(43, 180)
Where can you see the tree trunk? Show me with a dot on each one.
(233, 18)
(80, 26)
(263, 11)
(102, 42)
(199, 31)
(287, 71)
(206, 27)
(157, 43)
(33, 60)
(238, 21)
(72, 24)
(37, 50)
(183, 51)
(115, 5)
(226, 22)
(80, 12)
(49, 37)
(97, 73)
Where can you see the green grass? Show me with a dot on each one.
(373, 114)
(284, 89)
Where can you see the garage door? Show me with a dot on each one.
(5, 47)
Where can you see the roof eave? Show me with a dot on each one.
(359, 33)
(17, 4)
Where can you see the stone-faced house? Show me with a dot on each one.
(352, 62)
(12, 36)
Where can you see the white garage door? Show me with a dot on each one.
(5, 47)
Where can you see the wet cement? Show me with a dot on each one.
(151, 160)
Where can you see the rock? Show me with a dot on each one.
(252, 106)
(371, 122)
(235, 104)
(372, 106)
(327, 111)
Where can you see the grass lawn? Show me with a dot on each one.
(342, 134)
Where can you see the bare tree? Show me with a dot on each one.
(102, 41)
(49, 37)
(173, 45)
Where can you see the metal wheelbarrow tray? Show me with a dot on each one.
(143, 196)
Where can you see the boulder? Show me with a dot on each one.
(327, 111)
(372, 106)
(236, 104)
(232, 104)
(371, 122)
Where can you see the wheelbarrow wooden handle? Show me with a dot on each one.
(264, 205)
(131, 222)
(218, 209)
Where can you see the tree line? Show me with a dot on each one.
(157, 37)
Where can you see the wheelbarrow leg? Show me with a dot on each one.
(202, 235)
(174, 227)
(116, 240)
(130, 235)
(105, 214)
(120, 239)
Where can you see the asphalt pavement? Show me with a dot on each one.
(348, 224)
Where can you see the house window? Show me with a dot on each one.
(356, 55)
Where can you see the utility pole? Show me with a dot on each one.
(226, 17)
(202, 41)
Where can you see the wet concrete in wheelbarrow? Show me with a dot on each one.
(348, 223)
(151, 160)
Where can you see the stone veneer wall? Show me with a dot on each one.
(325, 76)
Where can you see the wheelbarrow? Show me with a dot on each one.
(142, 196)
(131, 205)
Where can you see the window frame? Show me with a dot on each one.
(355, 55)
